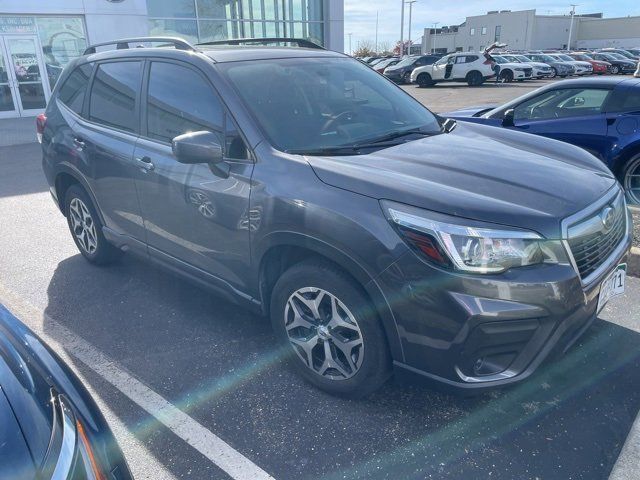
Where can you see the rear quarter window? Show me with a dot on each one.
(73, 90)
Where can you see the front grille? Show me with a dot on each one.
(591, 242)
(527, 72)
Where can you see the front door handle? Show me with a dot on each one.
(145, 163)
(79, 143)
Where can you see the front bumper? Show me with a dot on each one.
(471, 332)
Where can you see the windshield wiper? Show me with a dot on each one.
(389, 137)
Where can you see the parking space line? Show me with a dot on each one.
(182, 425)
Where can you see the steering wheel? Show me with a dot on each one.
(335, 120)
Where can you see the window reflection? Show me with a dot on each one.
(209, 20)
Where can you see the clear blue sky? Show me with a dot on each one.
(360, 15)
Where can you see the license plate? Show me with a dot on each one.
(612, 286)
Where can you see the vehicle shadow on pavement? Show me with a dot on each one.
(23, 164)
(218, 363)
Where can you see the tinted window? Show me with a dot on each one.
(180, 101)
(75, 86)
(113, 95)
(627, 100)
(570, 102)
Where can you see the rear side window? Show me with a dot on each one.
(75, 86)
(180, 101)
(627, 100)
(113, 95)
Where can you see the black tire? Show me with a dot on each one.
(406, 78)
(630, 181)
(375, 367)
(615, 69)
(474, 79)
(554, 72)
(424, 80)
(102, 253)
(506, 76)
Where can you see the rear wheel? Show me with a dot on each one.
(86, 228)
(474, 79)
(630, 179)
(424, 80)
(330, 329)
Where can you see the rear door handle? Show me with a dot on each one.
(145, 163)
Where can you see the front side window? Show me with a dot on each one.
(191, 107)
(562, 103)
(305, 105)
(75, 86)
(113, 95)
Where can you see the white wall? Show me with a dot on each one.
(553, 32)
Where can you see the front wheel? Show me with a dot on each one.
(554, 73)
(506, 76)
(86, 228)
(630, 179)
(330, 329)
(615, 70)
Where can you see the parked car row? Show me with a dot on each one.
(475, 68)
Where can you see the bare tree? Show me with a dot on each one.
(365, 49)
(384, 48)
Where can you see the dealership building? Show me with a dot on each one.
(39, 37)
(527, 30)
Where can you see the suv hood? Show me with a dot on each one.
(478, 172)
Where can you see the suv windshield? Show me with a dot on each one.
(306, 106)
(547, 58)
(406, 61)
(566, 58)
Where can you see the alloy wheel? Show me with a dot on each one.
(631, 182)
(324, 333)
(83, 226)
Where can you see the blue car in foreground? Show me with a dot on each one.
(601, 115)
(50, 427)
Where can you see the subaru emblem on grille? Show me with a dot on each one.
(607, 216)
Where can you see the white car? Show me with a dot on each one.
(471, 67)
(540, 70)
(510, 71)
(582, 68)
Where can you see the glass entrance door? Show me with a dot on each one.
(23, 61)
(8, 107)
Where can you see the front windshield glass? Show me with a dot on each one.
(308, 104)
(617, 56)
(406, 62)
(547, 58)
(522, 58)
(566, 58)
(499, 60)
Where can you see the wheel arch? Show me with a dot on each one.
(281, 250)
(620, 160)
(65, 177)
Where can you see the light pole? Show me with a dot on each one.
(350, 49)
(377, 31)
(410, 2)
(435, 36)
(573, 12)
(402, 29)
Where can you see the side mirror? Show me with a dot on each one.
(197, 147)
(508, 118)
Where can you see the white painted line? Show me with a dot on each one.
(626, 467)
(182, 425)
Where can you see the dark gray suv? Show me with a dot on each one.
(302, 184)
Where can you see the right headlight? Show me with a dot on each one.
(471, 246)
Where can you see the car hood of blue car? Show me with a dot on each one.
(478, 172)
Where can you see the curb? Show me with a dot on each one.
(633, 262)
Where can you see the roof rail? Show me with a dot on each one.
(123, 44)
(299, 42)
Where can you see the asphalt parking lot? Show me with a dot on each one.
(215, 367)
